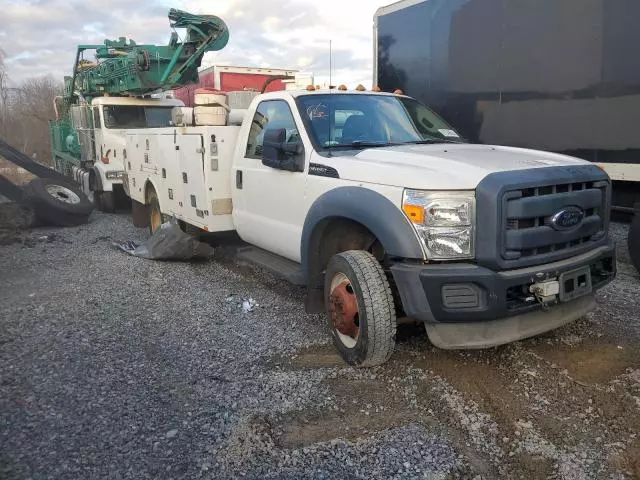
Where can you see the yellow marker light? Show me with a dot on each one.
(414, 212)
(376, 88)
(342, 87)
(360, 88)
(399, 92)
(310, 88)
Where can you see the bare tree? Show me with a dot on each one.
(4, 97)
(25, 112)
(33, 114)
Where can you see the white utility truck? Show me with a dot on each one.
(382, 211)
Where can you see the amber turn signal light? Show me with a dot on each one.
(414, 212)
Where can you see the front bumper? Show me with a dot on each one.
(460, 293)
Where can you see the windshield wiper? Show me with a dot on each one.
(427, 141)
(362, 144)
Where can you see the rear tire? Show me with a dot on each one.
(58, 201)
(103, 201)
(156, 217)
(108, 205)
(633, 240)
(360, 309)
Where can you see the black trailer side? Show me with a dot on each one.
(561, 76)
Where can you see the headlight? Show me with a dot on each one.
(444, 220)
(115, 175)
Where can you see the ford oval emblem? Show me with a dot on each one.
(567, 218)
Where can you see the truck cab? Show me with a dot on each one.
(113, 118)
(382, 210)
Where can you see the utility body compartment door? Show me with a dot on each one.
(190, 153)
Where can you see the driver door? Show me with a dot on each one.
(269, 203)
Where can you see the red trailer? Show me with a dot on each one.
(227, 79)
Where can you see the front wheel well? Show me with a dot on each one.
(95, 180)
(330, 237)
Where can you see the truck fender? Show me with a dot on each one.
(95, 177)
(367, 207)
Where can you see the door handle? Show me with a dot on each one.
(239, 179)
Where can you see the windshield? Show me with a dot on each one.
(351, 121)
(131, 116)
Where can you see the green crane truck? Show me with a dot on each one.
(108, 96)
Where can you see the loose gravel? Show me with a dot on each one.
(113, 366)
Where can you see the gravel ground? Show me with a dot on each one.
(117, 367)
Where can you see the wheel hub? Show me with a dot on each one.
(63, 194)
(344, 309)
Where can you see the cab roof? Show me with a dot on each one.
(300, 93)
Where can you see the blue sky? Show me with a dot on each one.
(39, 37)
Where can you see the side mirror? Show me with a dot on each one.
(277, 153)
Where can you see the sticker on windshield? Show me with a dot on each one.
(317, 111)
(448, 133)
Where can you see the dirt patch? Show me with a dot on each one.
(304, 430)
(541, 399)
(479, 378)
(361, 408)
(592, 363)
(494, 402)
(628, 461)
(316, 356)
(534, 466)
(326, 355)
(249, 440)
(14, 219)
(558, 406)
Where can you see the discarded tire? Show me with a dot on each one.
(58, 202)
(633, 241)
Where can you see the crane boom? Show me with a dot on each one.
(125, 68)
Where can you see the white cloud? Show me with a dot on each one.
(285, 33)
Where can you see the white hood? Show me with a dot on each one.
(440, 166)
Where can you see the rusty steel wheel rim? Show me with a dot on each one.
(156, 220)
(344, 311)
